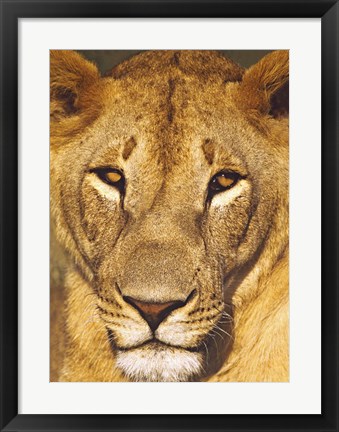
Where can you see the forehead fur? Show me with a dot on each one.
(202, 65)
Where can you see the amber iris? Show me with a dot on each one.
(223, 181)
(113, 177)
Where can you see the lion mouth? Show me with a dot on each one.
(156, 344)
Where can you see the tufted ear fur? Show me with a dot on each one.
(72, 79)
(264, 87)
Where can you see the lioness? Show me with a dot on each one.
(169, 191)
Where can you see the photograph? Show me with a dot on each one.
(169, 216)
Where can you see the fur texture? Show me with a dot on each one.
(168, 122)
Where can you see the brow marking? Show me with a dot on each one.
(208, 149)
(128, 148)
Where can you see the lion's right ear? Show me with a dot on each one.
(264, 87)
(71, 80)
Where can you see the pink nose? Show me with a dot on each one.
(154, 313)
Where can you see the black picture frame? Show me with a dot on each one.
(11, 11)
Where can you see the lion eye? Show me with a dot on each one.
(223, 180)
(111, 176)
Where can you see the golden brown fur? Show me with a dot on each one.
(169, 121)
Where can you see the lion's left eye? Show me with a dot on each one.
(111, 176)
(223, 180)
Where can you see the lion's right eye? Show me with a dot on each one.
(111, 176)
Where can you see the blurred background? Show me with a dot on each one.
(107, 59)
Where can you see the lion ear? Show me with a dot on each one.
(70, 75)
(264, 87)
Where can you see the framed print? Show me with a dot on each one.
(169, 213)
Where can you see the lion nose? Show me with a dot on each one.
(154, 313)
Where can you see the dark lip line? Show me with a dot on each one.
(154, 340)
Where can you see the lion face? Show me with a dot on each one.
(165, 199)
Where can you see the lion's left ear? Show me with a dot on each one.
(71, 80)
(264, 87)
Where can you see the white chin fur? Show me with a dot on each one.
(159, 364)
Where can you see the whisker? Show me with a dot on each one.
(89, 294)
(220, 335)
(86, 309)
(91, 319)
(207, 353)
(224, 313)
(222, 330)
(216, 345)
(202, 367)
(224, 321)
